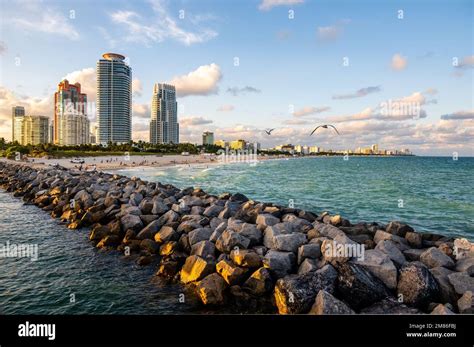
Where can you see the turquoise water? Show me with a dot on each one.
(102, 283)
(435, 193)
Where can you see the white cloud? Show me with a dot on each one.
(331, 32)
(193, 121)
(35, 18)
(466, 62)
(87, 78)
(359, 93)
(235, 91)
(141, 110)
(266, 5)
(305, 111)
(202, 81)
(399, 62)
(225, 108)
(161, 27)
(459, 115)
(137, 87)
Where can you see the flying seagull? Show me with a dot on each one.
(269, 131)
(325, 126)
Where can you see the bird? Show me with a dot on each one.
(325, 126)
(269, 131)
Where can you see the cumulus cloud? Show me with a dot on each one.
(202, 81)
(159, 28)
(235, 91)
(399, 62)
(137, 87)
(459, 115)
(225, 108)
(306, 111)
(194, 121)
(359, 93)
(466, 63)
(267, 5)
(87, 78)
(141, 110)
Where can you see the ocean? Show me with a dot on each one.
(429, 193)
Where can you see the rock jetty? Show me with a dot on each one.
(254, 256)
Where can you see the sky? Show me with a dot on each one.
(395, 73)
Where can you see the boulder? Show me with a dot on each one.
(166, 234)
(447, 292)
(131, 221)
(205, 249)
(380, 265)
(200, 234)
(433, 257)
(398, 228)
(289, 242)
(391, 250)
(271, 232)
(326, 303)
(231, 273)
(465, 265)
(358, 287)
(417, 285)
(311, 251)
(309, 265)
(414, 239)
(150, 246)
(400, 242)
(296, 293)
(279, 263)
(390, 305)
(413, 254)
(159, 207)
(99, 232)
(442, 310)
(462, 282)
(109, 241)
(251, 232)
(211, 289)
(246, 258)
(167, 248)
(230, 240)
(149, 231)
(466, 303)
(213, 211)
(260, 282)
(327, 230)
(266, 219)
(196, 268)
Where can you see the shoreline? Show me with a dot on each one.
(254, 256)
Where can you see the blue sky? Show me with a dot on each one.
(290, 74)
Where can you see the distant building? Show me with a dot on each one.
(314, 149)
(31, 130)
(71, 125)
(375, 149)
(51, 133)
(238, 145)
(114, 99)
(17, 111)
(285, 148)
(164, 127)
(221, 143)
(207, 138)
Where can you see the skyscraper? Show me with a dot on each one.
(17, 111)
(33, 130)
(114, 99)
(71, 125)
(207, 138)
(164, 126)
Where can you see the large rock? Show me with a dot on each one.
(327, 230)
(260, 282)
(279, 263)
(441, 309)
(417, 285)
(289, 242)
(149, 231)
(312, 251)
(131, 221)
(230, 240)
(447, 292)
(200, 234)
(205, 249)
(466, 303)
(380, 265)
(196, 268)
(296, 293)
(246, 258)
(433, 257)
(271, 232)
(390, 305)
(389, 248)
(326, 303)
(413, 254)
(211, 289)
(166, 234)
(232, 273)
(159, 207)
(414, 239)
(310, 265)
(398, 228)
(213, 211)
(400, 242)
(461, 282)
(341, 249)
(251, 232)
(265, 219)
(465, 265)
(358, 287)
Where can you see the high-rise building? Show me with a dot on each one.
(207, 138)
(164, 126)
(71, 125)
(221, 143)
(32, 130)
(17, 111)
(114, 99)
(375, 149)
(238, 144)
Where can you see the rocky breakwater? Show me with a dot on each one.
(254, 256)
